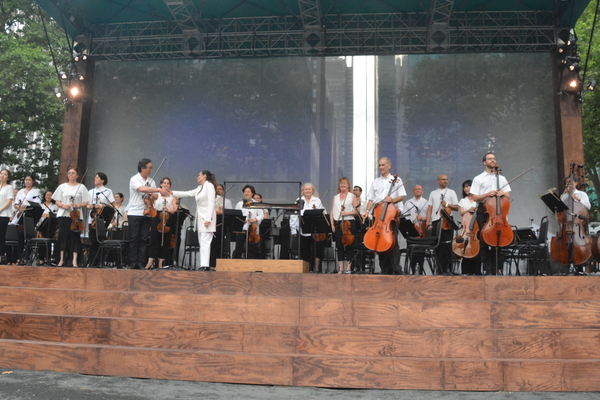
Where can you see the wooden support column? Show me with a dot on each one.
(77, 124)
(569, 131)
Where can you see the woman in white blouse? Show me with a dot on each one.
(206, 216)
(6, 199)
(70, 196)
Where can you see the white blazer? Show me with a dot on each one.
(205, 206)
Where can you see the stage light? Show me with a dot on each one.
(57, 92)
(591, 85)
(74, 91)
(574, 67)
(84, 57)
(76, 58)
(63, 75)
(81, 77)
(574, 83)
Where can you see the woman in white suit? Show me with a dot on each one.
(206, 216)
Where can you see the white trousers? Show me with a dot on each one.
(204, 238)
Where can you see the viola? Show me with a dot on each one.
(466, 244)
(421, 227)
(346, 227)
(253, 236)
(149, 210)
(572, 244)
(380, 237)
(95, 212)
(497, 232)
(448, 211)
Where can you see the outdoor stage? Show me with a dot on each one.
(346, 331)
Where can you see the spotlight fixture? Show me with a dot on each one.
(84, 57)
(574, 83)
(57, 92)
(81, 77)
(76, 58)
(63, 75)
(574, 67)
(74, 91)
(591, 85)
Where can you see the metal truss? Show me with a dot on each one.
(441, 12)
(182, 12)
(349, 34)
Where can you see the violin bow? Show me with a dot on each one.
(79, 187)
(515, 178)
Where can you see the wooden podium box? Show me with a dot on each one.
(281, 266)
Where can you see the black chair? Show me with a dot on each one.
(535, 252)
(33, 243)
(107, 246)
(12, 240)
(426, 248)
(192, 247)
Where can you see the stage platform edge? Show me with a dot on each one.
(275, 266)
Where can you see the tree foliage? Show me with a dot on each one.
(31, 117)
(591, 99)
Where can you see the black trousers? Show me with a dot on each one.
(68, 241)
(344, 252)
(3, 227)
(139, 229)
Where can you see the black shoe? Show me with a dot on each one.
(204, 269)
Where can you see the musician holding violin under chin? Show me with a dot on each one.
(140, 185)
(70, 197)
(383, 190)
(343, 211)
(442, 198)
(99, 194)
(485, 185)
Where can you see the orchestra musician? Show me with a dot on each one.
(382, 191)
(99, 194)
(263, 236)
(206, 216)
(22, 205)
(579, 196)
(416, 212)
(117, 221)
(343, 211)
(469, 266)
(6, 199)
(139, 225)
(252, 216)
(311, 250)
(160, 243)
(484, 186)
(221, 203)
(442, 197)
(362, 204)
(70, 197)
(49, 210)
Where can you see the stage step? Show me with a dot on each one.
(358, 331)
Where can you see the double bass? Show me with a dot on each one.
(497, 232)
(572, 245)
(380, 237)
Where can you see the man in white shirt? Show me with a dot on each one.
(382, 190)
(139, 225)
(442, 197)
(486, 185)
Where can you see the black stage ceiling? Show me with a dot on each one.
(178, 29)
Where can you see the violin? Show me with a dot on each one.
(572, 245)
(421, 227)
(76, 221)
(448, 211)
(253, 236)
(497, 232)
(346, 226)
(96, 211)
(149, 210)
(380, 237)
(162, 225)
(466, 244)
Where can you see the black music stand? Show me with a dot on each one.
(407, 228)
(315, 222)
(179, 217)
(554, 203)
(233, 221)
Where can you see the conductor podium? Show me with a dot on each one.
(281, 266)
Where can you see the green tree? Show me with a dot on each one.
(31, 117)
(591, 99)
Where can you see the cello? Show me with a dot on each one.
(380, 237)
(497, 232)
(572, 246)
(466, 244)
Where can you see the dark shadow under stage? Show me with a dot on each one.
(345, 331)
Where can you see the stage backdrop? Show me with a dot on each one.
(274, 120)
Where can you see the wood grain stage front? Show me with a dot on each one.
(350, 331)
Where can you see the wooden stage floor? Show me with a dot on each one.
(342, 331)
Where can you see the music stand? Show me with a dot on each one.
(449, 219)
(233, 221)
(315, 222)
(553, 202)
(407, 228)
(179, 217)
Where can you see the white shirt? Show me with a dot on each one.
(584, 199)
(435, 201)
(257, 213)
(416, 208)
(65, 192)
(205, 206)
(219, 203)
(100, 195)
(467, 204)
(485, 182)
(314, 204)
(6, 193)
(136, 204)
(33, 196)
(380, 188)
(337, 207)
